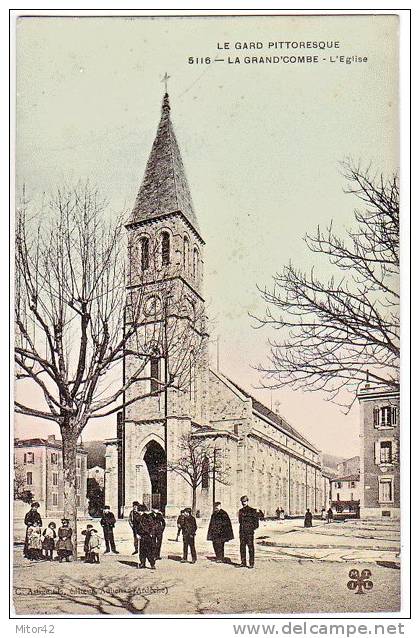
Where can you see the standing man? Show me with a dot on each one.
(131, 523)
(179, 524)
(31, 517)
(220, 531)
(188, 529)
(160, 524)
(108, 523)
(144, 527)
(330, 515)
(248, 523)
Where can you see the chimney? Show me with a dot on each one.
(51, 439)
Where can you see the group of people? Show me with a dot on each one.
(40, 545)
(148, 525)
(220, 531)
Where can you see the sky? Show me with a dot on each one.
(261, 145)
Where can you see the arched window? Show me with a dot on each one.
(165, 248)
(185, 253)
(195, 263)
(144, 253)
(205, 473)
(154, 374)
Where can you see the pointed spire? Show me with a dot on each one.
(164, 188)
(165, 104)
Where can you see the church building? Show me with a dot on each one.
(254, 450)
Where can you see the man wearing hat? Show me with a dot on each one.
(188, 529)
(220, 531)
(160, 524)
(248, 523)
(179, 524)
(144, 527)
(136, 505)
(31, 517)
(108, 523)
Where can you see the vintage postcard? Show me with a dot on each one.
(207, 399)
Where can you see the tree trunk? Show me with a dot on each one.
(194, 500)
(69, 442)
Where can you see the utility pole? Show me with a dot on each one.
(215, 451)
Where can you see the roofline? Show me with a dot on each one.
(52, 446)
(241, 394)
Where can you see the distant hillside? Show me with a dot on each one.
(96, 453)
(330, 461)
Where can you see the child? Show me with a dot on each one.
(94, 545)
(86, 533)
(64, 546)
(34, 542)
(49, 541)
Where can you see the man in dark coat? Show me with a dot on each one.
(31, 517)
(188, 529)
(108, 523)
(248, 523)
(136, 505)
(144, 527)
(160, 524)
(308, 519)
(179, 524)
(330, 515)
(220, 531)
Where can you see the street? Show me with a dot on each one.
(297, 571)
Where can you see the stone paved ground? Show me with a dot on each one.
(297, 571)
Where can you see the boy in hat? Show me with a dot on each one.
(179, 524)
(188, 528)
(94, 545)
(48, 542)
(108, 523)
(86, 533)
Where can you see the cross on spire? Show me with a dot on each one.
(165, 80)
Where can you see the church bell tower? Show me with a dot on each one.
(166, 275)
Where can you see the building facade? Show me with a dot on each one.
(256, 450)
(39, 463)
(379, 455)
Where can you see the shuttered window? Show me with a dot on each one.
(385, 416)
(385, 491)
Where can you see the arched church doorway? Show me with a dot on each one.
(155, 460)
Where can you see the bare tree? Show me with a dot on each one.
(20, 491)
(333, 331)
(75, 323)
(197, 461)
